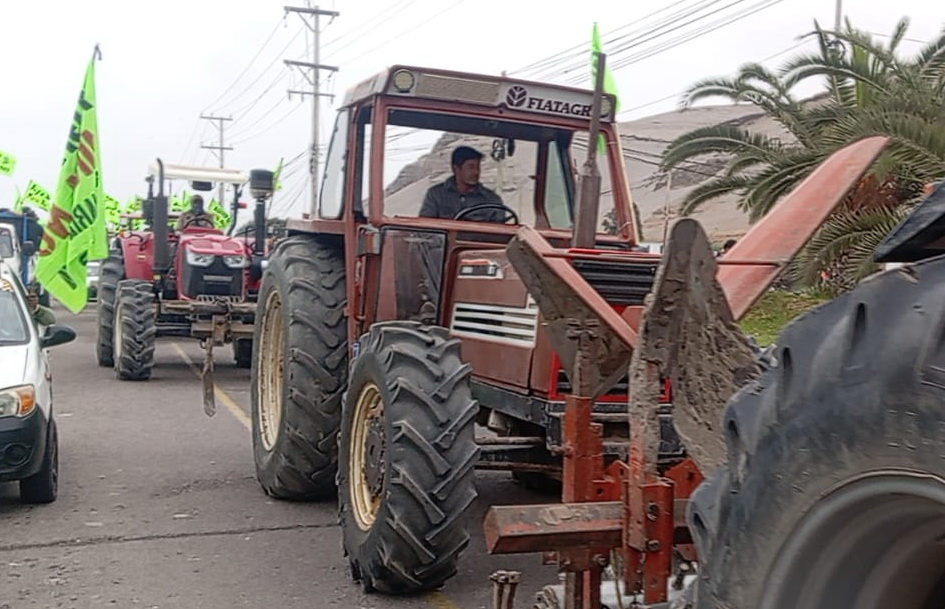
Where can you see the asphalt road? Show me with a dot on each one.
(159, 506)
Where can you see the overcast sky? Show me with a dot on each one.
(164, 63)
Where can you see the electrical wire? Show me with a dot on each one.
(400, 36)
(248, 66)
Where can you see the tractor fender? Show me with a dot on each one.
(137, 252)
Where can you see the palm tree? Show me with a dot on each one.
(869, 89)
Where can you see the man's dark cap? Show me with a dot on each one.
(196, 199)
(463, 154)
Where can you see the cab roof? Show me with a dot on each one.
(480, 89)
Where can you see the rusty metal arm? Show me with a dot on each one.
(756, 260)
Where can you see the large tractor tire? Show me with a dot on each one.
(299, 369)
(135, 330)
(111, 272)
(833, 494)
(406, 457)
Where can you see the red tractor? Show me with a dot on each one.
(398, 352)
(194, 282)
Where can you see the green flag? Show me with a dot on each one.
(134, 206)
(7, 163)
(37, 195)
(112, 213)
(277, 176)
(75, 232)
(18, 203)
(610, 85)
(221, 217)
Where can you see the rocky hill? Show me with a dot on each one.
(643, 142)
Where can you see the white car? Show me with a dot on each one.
(29, 447)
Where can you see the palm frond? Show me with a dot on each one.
(712, 189)
(725, 139)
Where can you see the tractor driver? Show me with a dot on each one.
(195, 216)
(462, 190)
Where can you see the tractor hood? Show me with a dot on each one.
(214, 244)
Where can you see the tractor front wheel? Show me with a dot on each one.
(112, 271)
(135, 330)
(406, 457)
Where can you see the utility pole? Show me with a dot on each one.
(838, 16)
(220, 149)
(311, 71)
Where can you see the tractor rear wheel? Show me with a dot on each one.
(111, 272)
(135, 330)
(299, 369)
(833, 494)
(406, 457)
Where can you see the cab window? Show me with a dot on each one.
(530, 167)
(331, 196)
(14, 328)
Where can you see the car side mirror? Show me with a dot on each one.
(57, 335)
(29, 248)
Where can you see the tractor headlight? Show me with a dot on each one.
(235, 262)
(195, 259)
(17, 401)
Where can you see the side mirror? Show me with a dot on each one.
(29, 248)
(57, 335)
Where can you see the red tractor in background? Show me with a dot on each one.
(195, 282)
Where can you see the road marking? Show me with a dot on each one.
(218, 391)
(440, 601)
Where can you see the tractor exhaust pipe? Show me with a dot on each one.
(585, 221)
(159, 225)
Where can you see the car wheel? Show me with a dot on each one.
(43, 486)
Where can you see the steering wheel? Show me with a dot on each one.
(465, 212)
(198, 222)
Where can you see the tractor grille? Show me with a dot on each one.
(620, 283)
(513, 325)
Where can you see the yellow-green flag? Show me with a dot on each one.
(75, 232)
(37, 195)
(221, 217)
(610, 85)
(277, 176)
(7, 163)
(112, 213)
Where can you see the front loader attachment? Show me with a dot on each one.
(687, 334)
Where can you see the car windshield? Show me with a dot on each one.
(13, 322)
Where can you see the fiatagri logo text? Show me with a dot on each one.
(518, 97)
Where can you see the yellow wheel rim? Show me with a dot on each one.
(271, 376)
(366, 456)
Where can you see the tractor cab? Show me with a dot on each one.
(390, 162)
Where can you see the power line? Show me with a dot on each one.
(400, 36)
(395, 7)
(248, 66)
(646, 54)
(678, 94)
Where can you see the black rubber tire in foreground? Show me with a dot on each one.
(833, 494)
(111, 272)
(427, 452)
(304, 288)
(43, 486)
(134, 310)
